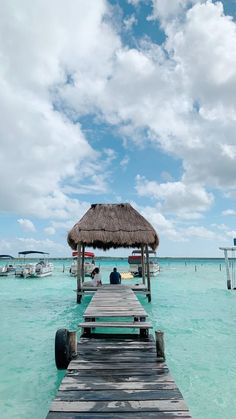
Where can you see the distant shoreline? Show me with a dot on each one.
(126, 258)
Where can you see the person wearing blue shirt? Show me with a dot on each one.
(115, 277)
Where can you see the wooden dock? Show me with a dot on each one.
(117, 375)
(137, 288)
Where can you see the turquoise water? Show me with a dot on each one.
(192, 307)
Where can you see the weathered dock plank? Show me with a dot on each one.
(74, 383)
(119, 406)
(118, 394)
(127, 415)
(117, 375)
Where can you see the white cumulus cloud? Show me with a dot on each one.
(62, 46)
(185, 200)
(26, 225)
(229, 212)
(50, 231)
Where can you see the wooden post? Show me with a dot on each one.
(143, 264)
(79, 273)
(82, 267)
(227, 269)
(148, 274)
(160, 345)
(73, 343)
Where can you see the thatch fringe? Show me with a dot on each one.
(106, 226)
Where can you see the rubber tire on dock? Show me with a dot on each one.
(228, 284)
(62, 349)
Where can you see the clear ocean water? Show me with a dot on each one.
(190, 303)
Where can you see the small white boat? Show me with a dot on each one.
(38, 269)
(89, 263)
(8, 268)
(135, 263)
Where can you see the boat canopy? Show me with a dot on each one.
(134, 260)
(28, 252)
(86, 254)
(136, 257)
(6, 257)
(228, 248)
(138, 252)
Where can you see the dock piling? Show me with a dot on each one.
(73, 343)
(160, 345)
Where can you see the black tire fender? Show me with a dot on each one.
(228, 284)
(62, 349)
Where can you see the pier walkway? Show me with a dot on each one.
(137, 288)
(117, 374)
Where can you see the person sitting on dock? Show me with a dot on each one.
(115, 277)
(96, 279)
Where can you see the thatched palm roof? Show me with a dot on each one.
(106, 226)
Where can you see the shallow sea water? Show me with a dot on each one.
(193, 308)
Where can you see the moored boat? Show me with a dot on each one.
(8, 268)
(135, 263)
(38, 269)
(89, 263)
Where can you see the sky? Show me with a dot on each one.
(118, 101)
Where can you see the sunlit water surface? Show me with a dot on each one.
(190, 304)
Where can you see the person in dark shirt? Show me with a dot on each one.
(115, 277)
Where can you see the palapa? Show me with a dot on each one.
(106, 226)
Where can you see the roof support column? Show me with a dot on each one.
(79, 273)
(143, 264)
(148, 273)
(82, 267)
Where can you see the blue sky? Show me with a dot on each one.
(118, 101)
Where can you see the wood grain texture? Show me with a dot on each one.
(117, 375)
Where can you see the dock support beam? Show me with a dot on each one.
(143, 264)
(160, 345)
(148, 274)
(82, 267)
(73, 343)
(79, 296)
(227, 269)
